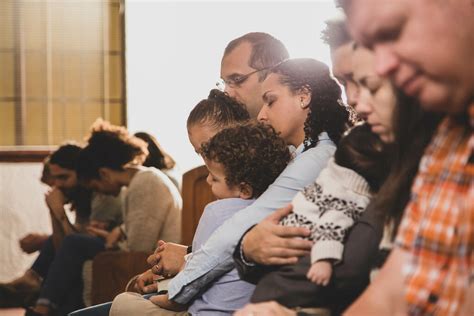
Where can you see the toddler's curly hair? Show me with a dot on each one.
(251, 153)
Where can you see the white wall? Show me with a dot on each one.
(174, 50)
(22, 211)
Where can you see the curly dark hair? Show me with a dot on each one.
(251, 153)
(336, 33)
(219, 110)
(65, 156)
(327, 111)
(363, 151)
(111, 147)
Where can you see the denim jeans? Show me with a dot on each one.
(62, 287)
(44, 259)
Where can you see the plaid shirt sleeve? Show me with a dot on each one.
(438, 225)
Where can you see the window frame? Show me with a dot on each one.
(25, 153)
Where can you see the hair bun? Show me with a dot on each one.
(216, 94)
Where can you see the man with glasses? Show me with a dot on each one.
(243, 67)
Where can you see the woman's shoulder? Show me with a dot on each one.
(150, 176)
(318, 155)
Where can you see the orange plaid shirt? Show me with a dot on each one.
(438, 225)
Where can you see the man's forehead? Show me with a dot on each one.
(237, 60)
(367, 18)
(57, 170)
(342, 59)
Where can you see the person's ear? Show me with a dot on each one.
(246, 191)
(304, 95)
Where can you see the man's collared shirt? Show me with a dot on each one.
(438, 226)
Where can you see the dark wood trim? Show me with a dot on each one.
(18, 73)
(23, 155)
(122, 9)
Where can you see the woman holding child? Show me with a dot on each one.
(302, 104)
(400, 123)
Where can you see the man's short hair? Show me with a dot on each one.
(66, 156)
(267, 51)
(336, 34)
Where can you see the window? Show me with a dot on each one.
(62, 66)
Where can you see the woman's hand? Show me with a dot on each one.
(270, 243)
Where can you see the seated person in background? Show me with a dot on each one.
(151, 211)
(328, 208)
(152, 204)
(160, 159)
(242, 162)
(96, 209)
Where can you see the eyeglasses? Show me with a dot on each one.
(236, 80)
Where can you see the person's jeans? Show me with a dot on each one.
(62, 287)
(44, 259)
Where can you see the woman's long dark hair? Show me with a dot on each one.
(413, 129)
(157, 156)
(327, 112)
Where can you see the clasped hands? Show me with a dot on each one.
(166, 261)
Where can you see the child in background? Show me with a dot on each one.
(213, 114)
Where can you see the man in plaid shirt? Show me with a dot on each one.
(426, 47)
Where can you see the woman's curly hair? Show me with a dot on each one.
(109, 146)
(251, 153)
(327, 111)
(218, 110)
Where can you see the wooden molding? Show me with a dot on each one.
(196, 195)
(24, 155)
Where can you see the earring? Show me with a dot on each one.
(303, 106)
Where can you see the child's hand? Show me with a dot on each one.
(320, 272)
(163, 302)
(145, 283)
